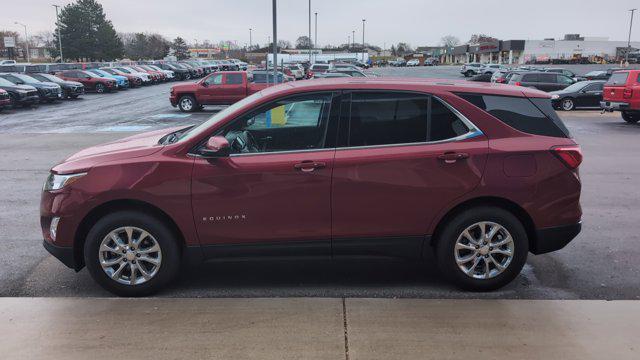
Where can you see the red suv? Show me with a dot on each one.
(90, 80)
(481, 175)
(622, 93)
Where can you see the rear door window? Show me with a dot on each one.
(547, 78)
(618, 78)
(234, 79)
(532, 116)
(530, 78)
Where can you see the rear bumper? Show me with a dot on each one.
(614, 106)
(554, 238)
(64, 254)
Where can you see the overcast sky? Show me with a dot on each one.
(418, 22)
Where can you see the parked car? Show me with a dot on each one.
(121, 81)
(492, 68)
(583, 94)
(500, 76)
(413, 62)
(622, 93)
(240, 64)
(47, 91)
(432, 61)
(597, 75)
(20, 95)
(486, 77)
(470, 69)
(566, 72)
(266, 77)
(146, 79)
(541, 80)
(320, 68)
(90, 81)
(156, 77)
(297, 71)
(8, 62)
(459, 170)
(5, 100)
(220, 88)
(195, 74)
(331, 74)
(180, 73)
(350, 72)
(169, 75)
(134, 80)
(70, 89)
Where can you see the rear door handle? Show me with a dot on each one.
(452, 157)
(309, 166)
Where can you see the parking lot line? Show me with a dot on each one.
(316, 328)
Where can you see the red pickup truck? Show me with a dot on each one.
(220, 88)
(622, 93)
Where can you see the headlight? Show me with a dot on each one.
(555, 97)
(57, 182)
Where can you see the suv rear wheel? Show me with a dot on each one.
(131, 254)
(482, 249)
(631, 117)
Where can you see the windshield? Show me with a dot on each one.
(220, 115)
(51, 78)
(5, 82)
(575, 87)
(124, 70)
(26, 79)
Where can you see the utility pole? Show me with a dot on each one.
(348, 42)
(275, 43)
(310, 42)
(363, 21)
(316, 36)
(626, 57)
(353, 39)
(26, 36)
(250, 39)
(59, 37)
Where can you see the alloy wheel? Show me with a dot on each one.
(567, 105)
(186, 104)
(130, 255)
(484, 250)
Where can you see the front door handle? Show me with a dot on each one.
(452, 157)
(309, 166)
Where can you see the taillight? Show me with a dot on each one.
(627, 94)
(570, 155)
(518, 83)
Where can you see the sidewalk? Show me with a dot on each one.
(312, 328)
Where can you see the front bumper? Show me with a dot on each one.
(554, 238)
(64, 254)
(614, 106)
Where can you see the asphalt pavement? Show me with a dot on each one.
(601, 263)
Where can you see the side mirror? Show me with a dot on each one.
(216, 147)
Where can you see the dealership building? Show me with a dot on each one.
(571, 48)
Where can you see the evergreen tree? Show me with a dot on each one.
(86, 33)
(180, 48)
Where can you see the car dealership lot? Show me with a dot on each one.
(599, 264)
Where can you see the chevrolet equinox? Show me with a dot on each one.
(480, 174)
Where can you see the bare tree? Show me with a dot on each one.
(449, 41)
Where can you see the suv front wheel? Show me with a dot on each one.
(131, 254)
(482, 249)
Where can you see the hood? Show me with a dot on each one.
(51, 85)
(71, 83)
(20, 87)
(136, 146)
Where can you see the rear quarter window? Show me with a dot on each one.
(532, 116)
(618, 78)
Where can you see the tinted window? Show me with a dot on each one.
(530, 78)
(388, 118)
(547, 78)
(445, 124)
(214, 80)
(532, 116)
(297, 123)
(618, 78)
(593, 87)
(234, 79)
(564, 79)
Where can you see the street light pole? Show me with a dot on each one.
(626, 57)
(275, 44)
(59, 37)
(250, 39)
(363, 21)
(316, 36)
(310, 42)
(26, 36)
(353, 39)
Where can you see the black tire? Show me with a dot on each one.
(165, 238)
(100, 88)
(631, 117)
(567, 104)
(446, 241)
(187, 103)
(138, 82)
(469, 73)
